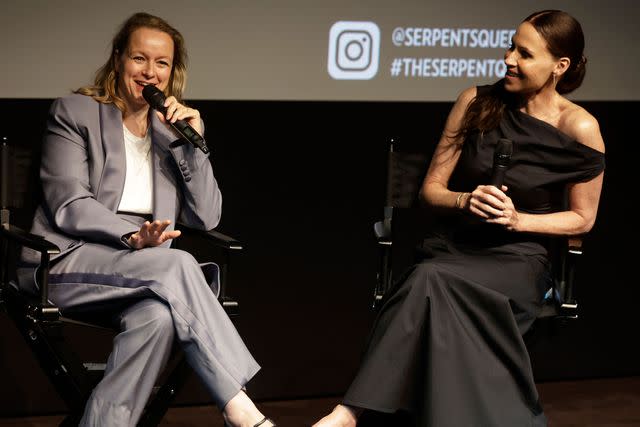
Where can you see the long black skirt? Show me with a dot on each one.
(447, 344)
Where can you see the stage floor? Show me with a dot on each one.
(611, 402)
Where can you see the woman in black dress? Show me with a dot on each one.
(447, 345)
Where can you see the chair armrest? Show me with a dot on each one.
(575, 245)
(565, 287)
(229, 245)
(217, 238)
(574, 251)
(44, 310)
(382, 229)
(382, 233)
(33, 241)
(384, 236)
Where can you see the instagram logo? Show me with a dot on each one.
(354, 50)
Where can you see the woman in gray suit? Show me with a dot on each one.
(115, 179)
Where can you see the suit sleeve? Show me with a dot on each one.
(200, 195)
(64, 172)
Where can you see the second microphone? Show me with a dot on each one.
(501, 161)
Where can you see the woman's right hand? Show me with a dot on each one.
(487, 201)
(176, 111)
(152, 234)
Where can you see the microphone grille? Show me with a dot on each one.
(154, 96)
(504, 147)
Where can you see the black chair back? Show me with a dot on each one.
(405, 223)
(405, 174)
(21, 191)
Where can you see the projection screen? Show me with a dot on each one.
(377, 50)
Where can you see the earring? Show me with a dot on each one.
(554, 79)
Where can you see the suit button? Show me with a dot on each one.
(183, 167)
(187, 178)
(182, 162)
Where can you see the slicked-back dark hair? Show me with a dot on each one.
(564, 37)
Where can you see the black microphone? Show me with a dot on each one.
(155, 98)
(501, 160)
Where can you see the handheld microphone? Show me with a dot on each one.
(155, 98)
(501, 160)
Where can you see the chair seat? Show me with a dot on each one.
(548, 310)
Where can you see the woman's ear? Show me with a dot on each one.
(562, 66)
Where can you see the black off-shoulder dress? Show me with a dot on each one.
(447, 344)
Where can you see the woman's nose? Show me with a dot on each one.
(148, 69)
(509, 58)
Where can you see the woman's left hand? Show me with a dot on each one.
(508, 216)
(177, 111)
(152, 234)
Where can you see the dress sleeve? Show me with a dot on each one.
(591, 163)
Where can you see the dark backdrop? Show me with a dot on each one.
(302, 184)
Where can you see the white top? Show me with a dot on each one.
(138, 185)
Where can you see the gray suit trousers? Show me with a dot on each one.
(171, 299)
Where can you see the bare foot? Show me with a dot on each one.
(341, 416)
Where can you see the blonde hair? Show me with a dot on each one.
(105, 86)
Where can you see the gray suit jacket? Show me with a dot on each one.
(83, 174)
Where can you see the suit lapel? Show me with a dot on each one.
(164, 180)
(113, 173)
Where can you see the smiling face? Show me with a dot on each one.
(529, 63)
(148, 59)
